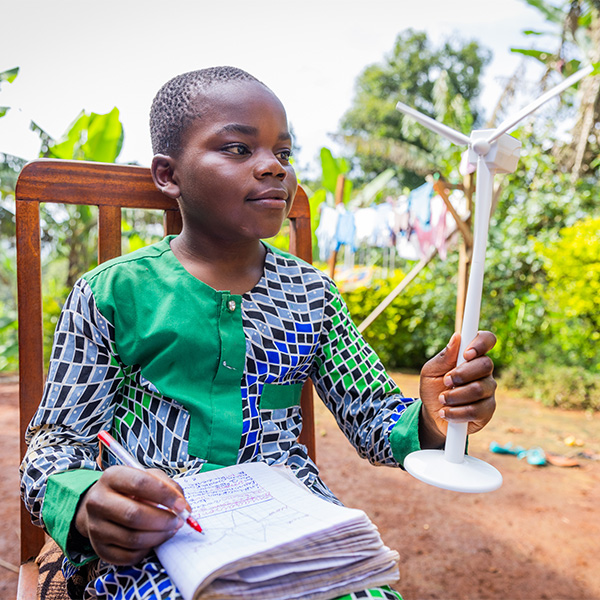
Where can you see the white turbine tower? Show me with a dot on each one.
(496, 152)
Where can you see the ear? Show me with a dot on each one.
(162, 175)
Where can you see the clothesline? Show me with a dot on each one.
(413, 225)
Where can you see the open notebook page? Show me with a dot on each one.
(252, 515)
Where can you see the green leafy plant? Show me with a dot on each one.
(414, 327)
(569, 387)
(572, 267)
(68, 233)
(9, 76)
(92, 136)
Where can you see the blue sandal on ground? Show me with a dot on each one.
(535, 456)
(506, 449)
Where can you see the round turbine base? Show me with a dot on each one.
(471, 476)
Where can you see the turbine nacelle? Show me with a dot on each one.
(501, 156)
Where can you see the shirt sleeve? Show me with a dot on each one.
(83, 377)
(63, 493)
(366, 402)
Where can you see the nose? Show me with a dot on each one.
(268, 165)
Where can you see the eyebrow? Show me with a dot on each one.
(252, 131)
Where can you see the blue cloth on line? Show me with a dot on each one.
(419, 203)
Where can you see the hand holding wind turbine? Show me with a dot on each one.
(495, 152)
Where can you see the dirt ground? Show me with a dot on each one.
(537, 537)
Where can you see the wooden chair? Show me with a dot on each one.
(110, 187)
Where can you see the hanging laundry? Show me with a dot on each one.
(408, 246)
(326, 231)
(434, 236)
(419, 204)
(401, 217)
(345, 230)
(365, 223)
(443, 222)
(383, 235)
(411, 225)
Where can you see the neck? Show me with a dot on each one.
(236, 267)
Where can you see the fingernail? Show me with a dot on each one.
(179, 505)
(448, 381)
(442, 414)
(470, 353)
(178, 526)
(442, 399)
(450, 341)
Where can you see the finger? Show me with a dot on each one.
(467, 372)
(470, 393)
(478, 413)
(179, 490)
(118, 536)
(484, 341)
(142, 516)
(445, 360)
(132, 513)
(151, 486)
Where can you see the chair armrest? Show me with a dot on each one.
(28, 581)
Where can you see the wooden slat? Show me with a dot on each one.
(31, 353)
(172, 222)
(81, 182)
(28, 580)
(307, 435)
(109, 232)
(301, 246)
(29, 285)
(300, 231)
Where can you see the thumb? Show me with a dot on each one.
(445, 360)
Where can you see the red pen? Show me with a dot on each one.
(127, 459)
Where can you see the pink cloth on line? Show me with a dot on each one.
(434, 236)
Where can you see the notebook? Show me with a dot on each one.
(266, 536)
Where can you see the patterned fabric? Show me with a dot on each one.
(385, 592)
(51, 583)
(295, 325)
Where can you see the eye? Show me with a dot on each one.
(285, 154)
(237, 149)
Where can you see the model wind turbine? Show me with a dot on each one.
(496, 152)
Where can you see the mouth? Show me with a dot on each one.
(274, 198)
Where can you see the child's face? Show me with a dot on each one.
(233, 174)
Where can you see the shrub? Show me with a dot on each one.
(572, 266)
(416, 325)
(570, 387)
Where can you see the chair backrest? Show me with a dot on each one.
(110, 187)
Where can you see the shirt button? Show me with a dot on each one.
(231, 305)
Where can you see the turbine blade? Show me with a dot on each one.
(510, 122)
(454, 136)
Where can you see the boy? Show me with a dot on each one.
(192, 352)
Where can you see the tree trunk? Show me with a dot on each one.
(578, 155)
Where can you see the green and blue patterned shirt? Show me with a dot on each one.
(187, 377)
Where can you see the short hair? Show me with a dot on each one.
(173, 106)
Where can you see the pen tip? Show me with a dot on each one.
(194, 524)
